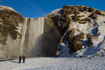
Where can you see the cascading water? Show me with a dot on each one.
(28, 44)
(33, 36)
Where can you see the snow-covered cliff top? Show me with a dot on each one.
(6, 8)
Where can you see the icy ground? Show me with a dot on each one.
(97, 63)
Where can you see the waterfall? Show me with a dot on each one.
(29, 44)
(33, 36)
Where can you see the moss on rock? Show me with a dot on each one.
(10, 20)
(81, 36)
(76, 18)
(75, 45)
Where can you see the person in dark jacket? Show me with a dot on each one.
(24, 57)
(20, 59)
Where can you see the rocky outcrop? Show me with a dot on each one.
(80, 26)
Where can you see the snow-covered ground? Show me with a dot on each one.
(97, 63)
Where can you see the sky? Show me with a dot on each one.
(40, 8)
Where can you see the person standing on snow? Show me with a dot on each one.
(22, 57)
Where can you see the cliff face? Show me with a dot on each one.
(25, 36)
(72, 29)
(81, 29)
